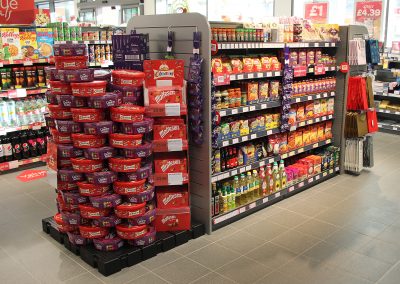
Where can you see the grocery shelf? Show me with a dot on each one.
(310, 44)
(259, 134)
(389, 128)
(250, 45)
(34, 126)
(272, 45)
(249, 108)
(242, 211)
(255, 75)
(388, 95)
(327, 69)
(269, 160)
(19, 163)
(26, 62)
(263, 133)
(312, 97)
(84, 42)
(272, 104)
(389, 112)
(22, 93)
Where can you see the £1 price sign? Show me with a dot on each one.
(368, 10)
(316, 12)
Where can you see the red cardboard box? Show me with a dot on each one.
(171, 70)
(165, 95)
(177, 219)
(169, 129)
(168, 198)
(170, 163)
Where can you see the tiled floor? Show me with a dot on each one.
(346, 230)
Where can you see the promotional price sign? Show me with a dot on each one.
(17, 11)
(316, 12)
(368, 11)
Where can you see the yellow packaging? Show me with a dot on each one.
(268, 121)
(28, 44)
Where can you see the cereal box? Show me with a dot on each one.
(28, 44)
(45, 42)
(11, 45)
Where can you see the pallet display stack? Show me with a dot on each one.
(105, 195)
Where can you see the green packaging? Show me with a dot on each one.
(67, 33)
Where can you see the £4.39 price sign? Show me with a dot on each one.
(316, 12)
(371, 10)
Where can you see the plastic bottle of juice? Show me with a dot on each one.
(256, 183)
(263, 182)
(275, 174)
(221, 200)
(237, 188)
(11, 112)
(4, 115)
(225, 200)
(250, 185)
(244, 189)
(282, 174)
(233, 197)
(270, 180)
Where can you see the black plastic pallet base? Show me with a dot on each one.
(109, 263)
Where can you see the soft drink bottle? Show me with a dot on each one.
(8, 149)
(25, 145)
(20, 112)
(2, 158)
(16, 147)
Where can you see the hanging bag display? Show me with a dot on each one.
(372, 121)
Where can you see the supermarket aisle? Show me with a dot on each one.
(343, 231)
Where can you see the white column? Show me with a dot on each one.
(283, 8)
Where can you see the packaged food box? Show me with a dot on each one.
(169, 129)
(176, 219)
(164, 95)
(11, 43)
(28, 44)
(170, 163)
(168, 198)
(44, 37)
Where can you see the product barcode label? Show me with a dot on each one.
(318, 96)
(277, 194)
(269, 74)
(250, 76)
(241, 210)
(173, 109)
(253, 136)
(245, 109)
(269, 132)
(248, 168)
(310, 180)
(291, 189)
(175, 179)
(21, 93)
(324, 174)
(317, 119)
(301, 184)
(298, 100)
(327, 44)
(263, 106)
(262, 163)
(259, 75)
(394, 128)
(301, 150)
(309, 98)
(292, 153)
(174, 145)
(317, 177)
(225, 143)
(233, 173)
(132, 57)
(265, 200)
(252, 205)
(252, 108)
(315, 145)
(245, 138)
(240, 77)
(236, 140)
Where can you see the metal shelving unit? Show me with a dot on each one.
(201, 175)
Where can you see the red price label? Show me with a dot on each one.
(316, 12)
(300, 71)
(319, 69)
(344, 67)
(368, 10)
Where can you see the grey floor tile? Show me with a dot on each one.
(86, 278)
(244, 270)
(390, 234)
(277, 277)
(289, 219)
(221, 233)
(12, 272)
(161, 259)
(366, 227)
(193, 245)
(334, 217)
(366, 267)
(271, 255)
(317, 229)
(266, 230)
(307, 208)
(214, 278)
(182, 271)
(125, 275)
(328, 254)
(392, 276)
(149, 278)
(246, 221)
(381, 250)
(348, 239)
(235, 242)
(294, 241)
(214, 256)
